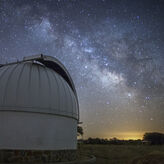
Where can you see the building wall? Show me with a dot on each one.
(36, 131)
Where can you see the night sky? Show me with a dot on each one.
(113, 49)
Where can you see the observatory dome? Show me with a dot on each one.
(32, 87)
(38, 105)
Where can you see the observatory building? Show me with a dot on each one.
(38, 106)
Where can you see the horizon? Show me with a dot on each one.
(132, 136)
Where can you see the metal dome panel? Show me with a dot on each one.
(29, 86)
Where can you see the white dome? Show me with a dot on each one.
(39, 85)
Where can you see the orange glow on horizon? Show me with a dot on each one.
(130, 135)
(120, 135)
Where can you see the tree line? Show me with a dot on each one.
(153, 138)
(113, 141)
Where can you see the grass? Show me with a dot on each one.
(124, 154)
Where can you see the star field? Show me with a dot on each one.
(114, 51)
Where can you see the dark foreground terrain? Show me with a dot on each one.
(124, 154)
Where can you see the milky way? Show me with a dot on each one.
(114, 51)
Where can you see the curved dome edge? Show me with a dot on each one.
(55, 65)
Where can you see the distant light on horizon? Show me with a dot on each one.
(119, 135)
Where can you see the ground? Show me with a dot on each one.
(124, 154)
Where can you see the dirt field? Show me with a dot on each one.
(124, 154)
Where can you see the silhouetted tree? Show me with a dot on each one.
(154, 138)
(80, 131)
